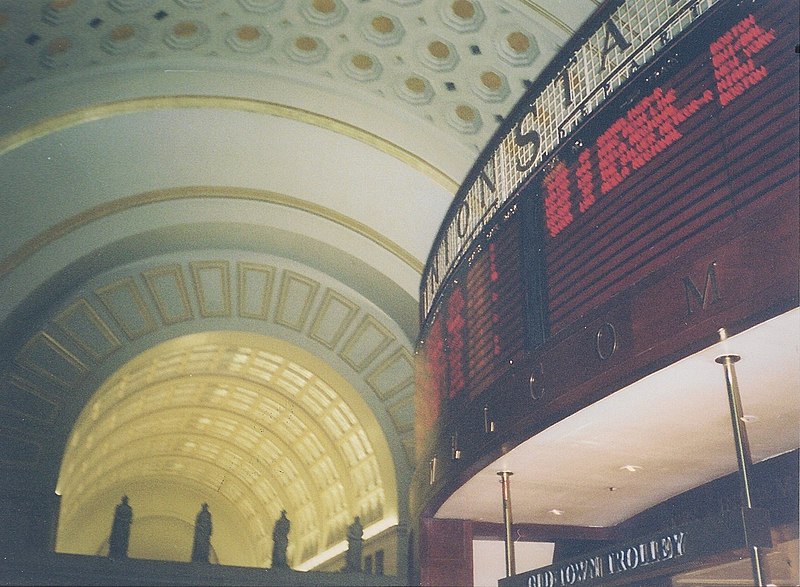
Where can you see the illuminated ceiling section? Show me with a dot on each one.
(240, 422)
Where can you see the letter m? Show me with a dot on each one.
(701, 299)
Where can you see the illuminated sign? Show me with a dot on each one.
(705, 135)
(702, 138)
(480, 327)
(629, 558)
(629, 38)
(651, 126)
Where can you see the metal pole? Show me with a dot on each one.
(505, 482)
(742, 446)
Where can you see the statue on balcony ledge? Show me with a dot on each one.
(280, 542)
(120, 530)
(355, 534)
(202, 535)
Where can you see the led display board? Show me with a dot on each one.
(701, 134)
(623, 37)
(477, 332)
(708, 135)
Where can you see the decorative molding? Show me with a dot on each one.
(367, 342)
(65, 227)
(334, 316)
(168, 289)
(83, 325)
(296, 294)
(212, 284)
(255, 283)
(393, 374)
(96, 112)
(120, 298)
(44, 355)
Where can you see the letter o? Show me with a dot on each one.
(632, 557)
(605, 341)
(463, 219)
(536, 384)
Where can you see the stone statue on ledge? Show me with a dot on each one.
(120, 530)
(280, 542)
(355, 542)
(202, 535)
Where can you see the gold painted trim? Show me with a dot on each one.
(158, 280)
(108, 296)
(244, 268)
(110, 109)
(400, 356)
(220, 272)
(356, 338)
(288, 279)
(45, 341)
(100, 211)
(81, 308)
(330, 297)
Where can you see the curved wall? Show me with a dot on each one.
(632, 206)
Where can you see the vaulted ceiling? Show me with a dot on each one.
(215, 215)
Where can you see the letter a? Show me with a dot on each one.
(612, 30)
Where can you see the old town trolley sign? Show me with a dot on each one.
(654, 555)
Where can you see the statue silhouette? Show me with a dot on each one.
(120, 530)
(355, 533)
(202, 535)
(280, 541)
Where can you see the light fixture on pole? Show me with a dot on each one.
(505, 482)
(742, 454)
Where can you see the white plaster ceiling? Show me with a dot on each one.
(455, 65)
(263, 169)
(166, 163)
(665, 434)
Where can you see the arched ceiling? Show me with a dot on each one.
(257, 430)
(209, 204)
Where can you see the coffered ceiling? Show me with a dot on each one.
(455, 65)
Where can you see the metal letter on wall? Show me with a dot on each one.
(605, 341)
(709, 295)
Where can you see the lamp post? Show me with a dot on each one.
(745, 461)
(506, 484)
